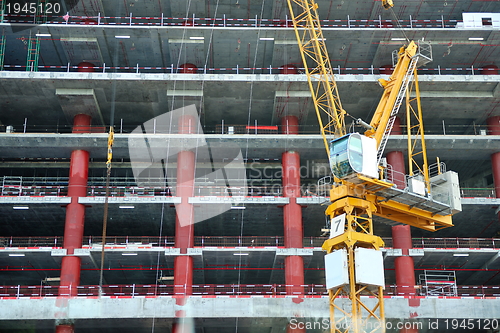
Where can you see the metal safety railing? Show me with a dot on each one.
(126, 187)
(275, 190)
(236, 129)
(454, 243)
(271, 290)
(477, 192)
(13, 15)
(139, 191)
(271, 70)
(236, 241)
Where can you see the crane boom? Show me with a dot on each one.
(392, 98)
(320, 75)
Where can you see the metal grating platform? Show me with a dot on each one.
(415, 200)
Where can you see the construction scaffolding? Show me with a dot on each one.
(438, 283)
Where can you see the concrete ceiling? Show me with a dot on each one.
(451, 104)
(227, 48)
(255, 220)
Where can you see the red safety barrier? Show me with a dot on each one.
(162, 20)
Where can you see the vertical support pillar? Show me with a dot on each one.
(404, 266)
(290, 125)
(401, 234)
(396, 160)
(405, 272)
(64, 329)
(292, 212)
(494, 129)
(75, 217)
(184, 228)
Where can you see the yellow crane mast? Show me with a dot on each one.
(354, 264)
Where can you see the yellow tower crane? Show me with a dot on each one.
(361, 189)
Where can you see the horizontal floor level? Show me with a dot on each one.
(243, 307)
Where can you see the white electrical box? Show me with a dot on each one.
(336, 269)
(369, 267)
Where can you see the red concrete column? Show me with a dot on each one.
(75, 217)
(495, 166)
(396, 127)
(81, 123)
(64, 329)
(75, 212)
(408, 330)
(404, 266)
(291, 189)
(493, 125)
(290, 329)
(397, 160)
(397, 172)
(184, 222)
(290, 125)
(292, 212)
(494, 129)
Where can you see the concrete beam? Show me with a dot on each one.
(227, 307)
(75, 101)
(496, 90)
(130, 200)
(455, 94)
(480, 79)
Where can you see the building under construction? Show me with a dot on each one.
(205, 211)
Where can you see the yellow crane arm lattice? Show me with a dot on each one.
(318, 69)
